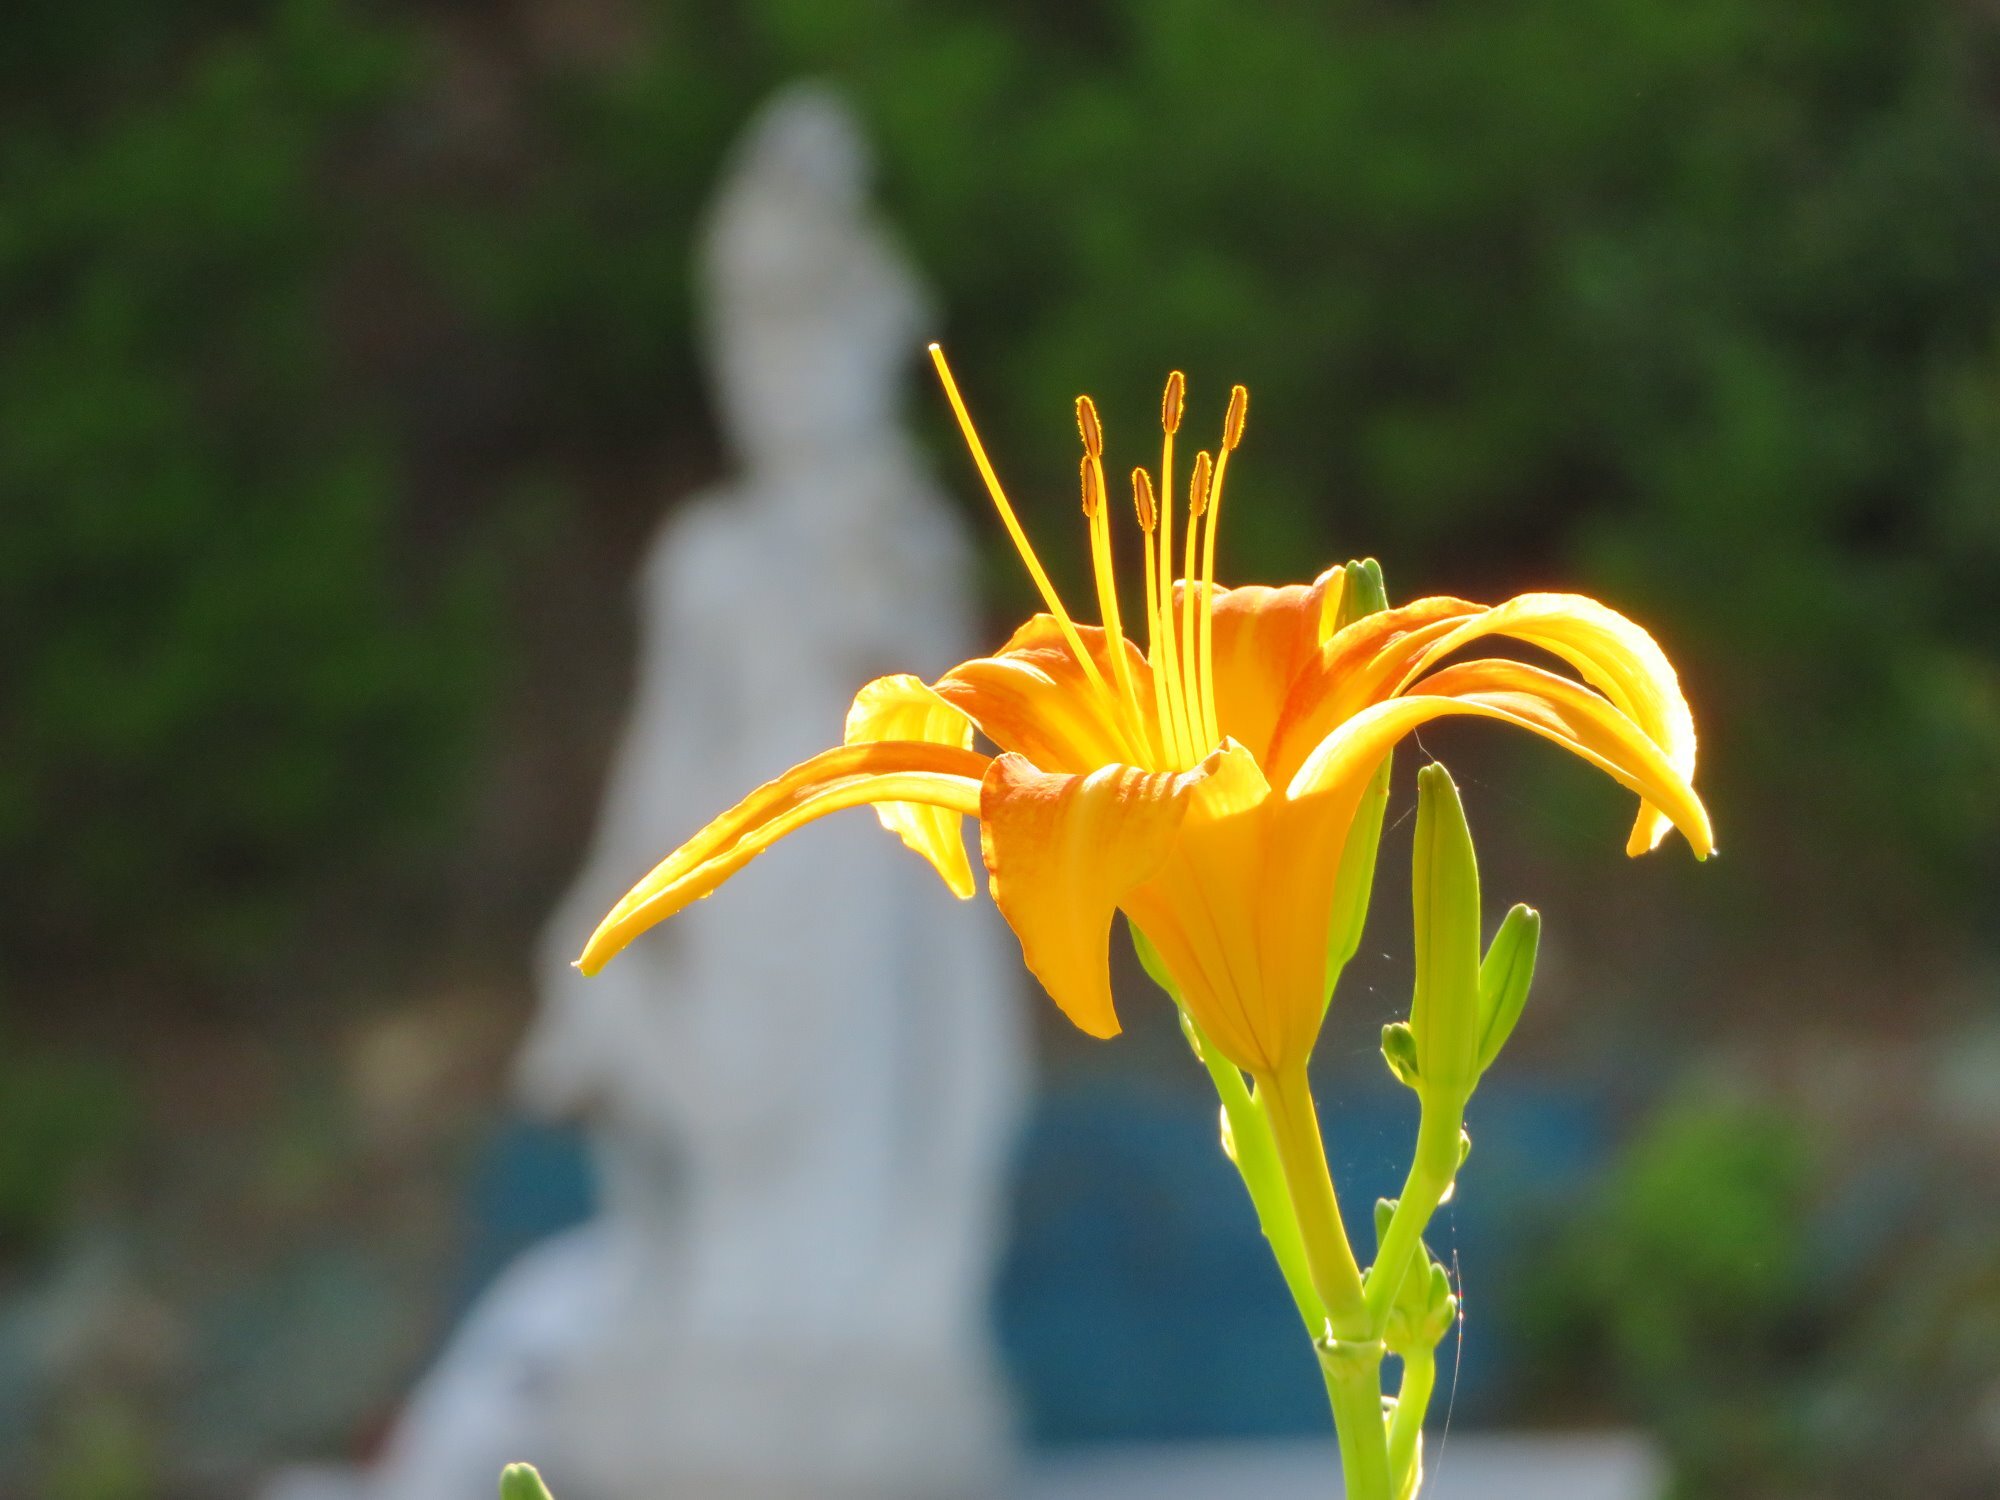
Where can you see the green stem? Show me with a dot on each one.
(1406, 1427)
(1288, 1103)
(1256, 1157)
(1432, 1169)
(1353, 1374)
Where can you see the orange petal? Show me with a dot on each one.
(1614, 655)
(1032, 698)
(1203, 910)
(892, 771)
(903, 708)
(1554, 707)
(1363, 664)
(1061, 852)
(1262, 638)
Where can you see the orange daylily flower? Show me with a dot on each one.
(1204, 785)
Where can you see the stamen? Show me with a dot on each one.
(1088, 427)
(1149, 516)
(1107, 594)
(1013, 525)
(1232, 436)
(1168, 663)
(1191, 666)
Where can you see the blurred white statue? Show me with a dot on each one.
(801, 1093)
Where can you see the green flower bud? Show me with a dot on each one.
(1444, 1011)
(1356, 877)
(1504, 979)
(522, 1482)
(1361, 592)
(1399, 1050)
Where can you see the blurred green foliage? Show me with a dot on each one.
(1689, 303)
(1797, 1315)
(215, 688)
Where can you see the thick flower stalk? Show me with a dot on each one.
(1220, 784)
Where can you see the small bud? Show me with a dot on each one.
(1504, 978)
(1444, 881)
(1385, 1210)
(1232, 424)
(1198, 483)
(522, 1482)
(1171, 402)
(1087, 471)
(1399, 1050)
(1361, 592)
(1142, 500)
(1088, 428)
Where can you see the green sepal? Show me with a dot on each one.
(522, 1482)
(1464, 1148)
(1399, 1051)
(1504, 978)
(1444, 888)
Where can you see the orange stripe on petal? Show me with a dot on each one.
(1262, 638)
(1363, 664)
(1061, 852)
(1032, 698)
(893, 771)
(904, 708)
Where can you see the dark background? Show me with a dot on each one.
(346, 362)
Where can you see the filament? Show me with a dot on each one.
(1013, 525)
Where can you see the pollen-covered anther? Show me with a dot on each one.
(1172, 401)
(1087, 470)
(1232, 424)
(1087, 425)
(1198, 486)
(1142, 501)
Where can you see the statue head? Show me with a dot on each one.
(811, 313)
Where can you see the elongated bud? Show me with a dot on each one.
(1172, 401)
(1232, 424)
(1088, 427)
(522, 1482)
(1087, 471)
(1198, 483)
(1142, 500)
(1504, 979)
(1444, 882)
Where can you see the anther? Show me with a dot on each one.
(1087, 469)
(1087, 424)
(1142, 500)
(1232, 424)
(1198, 486)
(1172, 401)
